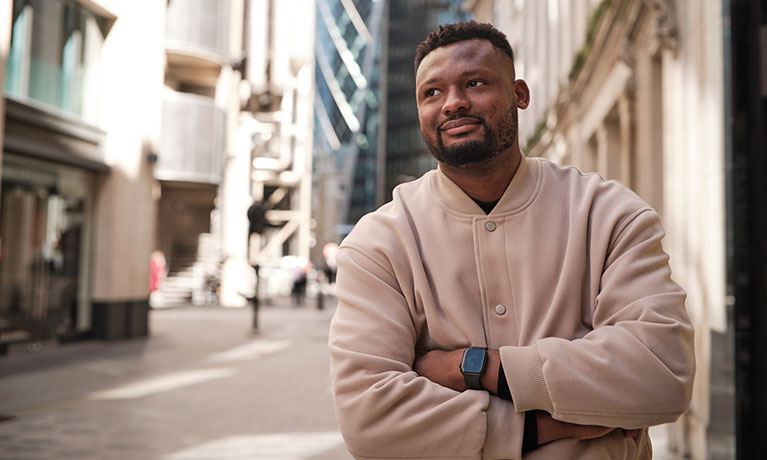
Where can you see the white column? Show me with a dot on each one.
(303, 153)
(237, 276)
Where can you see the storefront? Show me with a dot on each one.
(45, 226)
(52, 160)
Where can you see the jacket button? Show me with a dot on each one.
(490, 226)
(500, 309)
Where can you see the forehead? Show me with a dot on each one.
(461, 57)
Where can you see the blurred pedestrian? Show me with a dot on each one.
(503, 304)
(300, 280)
(329, 252)
(156, 270)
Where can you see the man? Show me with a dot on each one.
(500, 304)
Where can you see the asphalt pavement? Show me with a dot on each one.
(204, 385)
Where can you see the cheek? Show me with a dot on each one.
(500, 115)
(426, 122)
(427, 113)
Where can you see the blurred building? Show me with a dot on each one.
(81, 91)
(346, 114)
(202, 41)
(137, 127)
(269, 165)
(406, 156)
(642, 92)
(367, 138)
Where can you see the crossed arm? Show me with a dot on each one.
(442, 367)
(394, 404)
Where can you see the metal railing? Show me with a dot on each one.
(193, 139)
(201, 25)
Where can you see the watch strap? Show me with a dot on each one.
(472, 381)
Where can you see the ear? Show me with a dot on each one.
(523, 94)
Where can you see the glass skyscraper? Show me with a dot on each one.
(347, 54)
(407, 156)
(366, 133)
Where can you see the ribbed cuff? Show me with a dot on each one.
(505, 431)
(524, 373)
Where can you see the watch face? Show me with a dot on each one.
(474, 361)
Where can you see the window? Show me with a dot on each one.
(55, 55)
(44, 257)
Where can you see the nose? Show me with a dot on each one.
(456, 101)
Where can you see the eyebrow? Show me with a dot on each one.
(463, 74)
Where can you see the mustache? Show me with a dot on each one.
(459, 116)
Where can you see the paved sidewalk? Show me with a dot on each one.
(203, 386)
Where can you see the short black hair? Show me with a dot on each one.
(460, 31)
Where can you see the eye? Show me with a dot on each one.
(475, 83)
(431, 92)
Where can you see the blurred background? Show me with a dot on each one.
(177, 175)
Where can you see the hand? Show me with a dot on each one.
(443, 368)
(550, 430)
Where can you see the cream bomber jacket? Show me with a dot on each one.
(566, 276)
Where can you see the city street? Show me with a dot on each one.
(203, 386)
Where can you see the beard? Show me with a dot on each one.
(472, 154)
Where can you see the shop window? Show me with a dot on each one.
(44, 218)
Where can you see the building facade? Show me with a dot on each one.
(139, 128)
(71, 149)
(192, 143)
(634, 90)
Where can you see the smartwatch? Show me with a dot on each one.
(473, 365)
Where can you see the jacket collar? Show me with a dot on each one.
(520, 192)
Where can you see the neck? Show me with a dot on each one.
(487, 182)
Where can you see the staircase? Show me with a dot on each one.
(193, 275)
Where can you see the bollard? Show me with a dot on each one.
(254, 303)
(254, 300)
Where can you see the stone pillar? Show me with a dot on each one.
(609, 148)
(649, 122)
(626, 135)
(601, 150)
(125, 209)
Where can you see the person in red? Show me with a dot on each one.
(156, 270)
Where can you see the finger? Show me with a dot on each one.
(594, 431)
(630, 433)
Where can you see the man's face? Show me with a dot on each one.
(467, 103)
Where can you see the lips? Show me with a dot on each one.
(459, 125)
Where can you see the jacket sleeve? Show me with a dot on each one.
(384, 409)
(635, 368)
